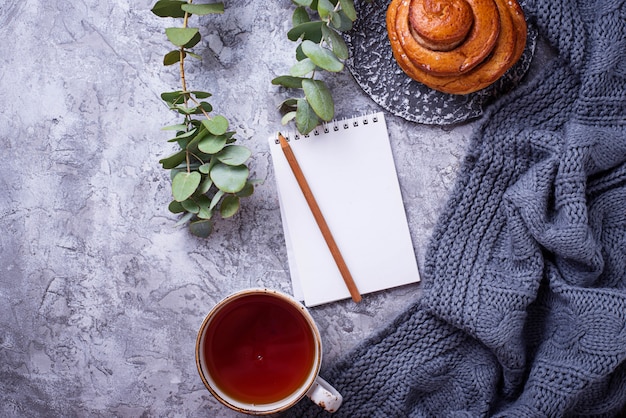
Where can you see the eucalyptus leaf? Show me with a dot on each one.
(300, 15)
(288, 81)
(184, 135)
(196, 56)
(204, 213)
(204, 168)
(169, 8)
(185, 184)
(348, 8)
(287, 117)
(212, 144)
(175, 207)
(229, 206)
(341, 22)
(217, 125)
(337, 43)
(324, 8)
(306, 118)
(185, 218)
(173, 160)
(229, 179)
(180, 36)
(322, 57)
(172, 57)
(233, 155)
(307, 30)
(247, 190)
(177, 127)
(205, 185)
(204, 9)
(200, 94)
(190, 206)
(201, 228)
(203, 201)
(193, 41)
(216, 199)
(173, 97)
(302, 2)
(302, 68)
(290, 103)
(203, 106)
(319, 97)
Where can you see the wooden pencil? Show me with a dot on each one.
(319, 218)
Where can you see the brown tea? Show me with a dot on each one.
(259, 349)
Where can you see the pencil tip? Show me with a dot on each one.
(282, 140)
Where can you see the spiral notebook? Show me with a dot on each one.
(350, 169)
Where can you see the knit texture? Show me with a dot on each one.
(523, 311)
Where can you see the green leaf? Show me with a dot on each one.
(172, 57)
(204, 9)
(324, 8)
(319, 97)
(173, 160)
(302, 2)
(247, 190)
(216, 199)
(212, 144)
(308, 30)
(340, 21)
(185, 184)
(337, 43)
(205, 185)
(200, 94)
(229, 179)
(183, 135)
(218, 125)
(288, 81)
(233, 155)
(175, 207)
(202, 228)
(173, 97)
(193, 41)
(287, 117)
(204, 168)
(180, 36)
(229, 206)
(306, 119)
(190, 206)
(299, 54)
(205, 213)
(177, 127)
(348, 8)
(300, 15)
(196, 56)
(322, 57)
(289, 104)
(303, 67)
(169, 8)
(188, 216)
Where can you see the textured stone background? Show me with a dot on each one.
(100, 295)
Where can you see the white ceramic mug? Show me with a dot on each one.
(258, 351)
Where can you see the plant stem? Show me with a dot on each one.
(183, 81)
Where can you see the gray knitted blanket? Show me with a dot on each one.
(523, 312)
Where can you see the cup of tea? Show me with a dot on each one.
(259, 352)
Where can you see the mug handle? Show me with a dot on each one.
(324, 395)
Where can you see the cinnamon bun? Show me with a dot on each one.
(456, 46)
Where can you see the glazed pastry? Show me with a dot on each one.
(456, 46)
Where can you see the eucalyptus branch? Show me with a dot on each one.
(220, 177)
(317, 25)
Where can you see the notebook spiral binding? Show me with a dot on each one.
(332, 126)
